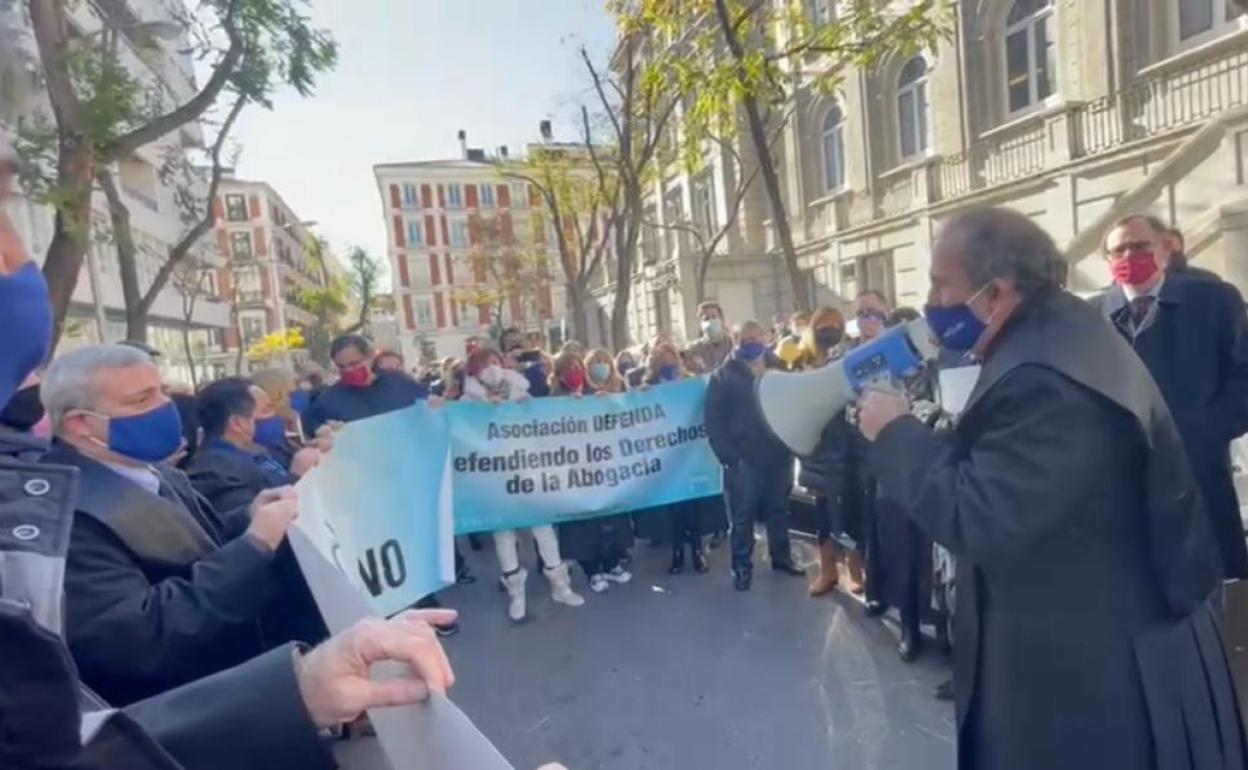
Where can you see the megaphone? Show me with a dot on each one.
(797, 406)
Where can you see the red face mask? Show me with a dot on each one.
(1136, 269)
(574, 379)
(355, 377)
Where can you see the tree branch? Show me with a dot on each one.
(48, 20)
(196, 105)
(201, 228)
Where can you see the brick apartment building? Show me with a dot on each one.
(433, 212)
(266, 263)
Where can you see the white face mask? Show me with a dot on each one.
(492, 376)
(713, 328)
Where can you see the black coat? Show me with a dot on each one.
(229, 479)
(1196, 347)
(1083, 634)
(734, 422)
(251, 717)
(158, 593)
(388, 392)
(248, 718)
(602, 537)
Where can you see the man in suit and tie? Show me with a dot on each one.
(160, 588)
(1192, 334)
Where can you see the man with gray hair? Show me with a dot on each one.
(1084, 636)
(757, 466)
(160, 588)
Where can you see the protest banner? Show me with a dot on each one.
(379, 507)
(385, 503)
(434, 735)
(547, 461)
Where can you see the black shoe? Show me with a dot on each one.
(874, 608)
(910, 647)
(678, 562)
(741, 579)
(447, 630)
(788, 568)
(945, 691)
(700, 565)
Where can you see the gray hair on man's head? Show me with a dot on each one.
(1002, 243)
(68, 383)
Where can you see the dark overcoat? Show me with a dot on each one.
(1084, 638)
(1195, 344)
(251, 717)
(158, 591)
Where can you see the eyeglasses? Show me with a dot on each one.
(1129, 247)
(868, 315)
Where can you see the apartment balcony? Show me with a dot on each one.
(1174, 99)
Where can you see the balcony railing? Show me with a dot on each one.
(1178, 99)
(1198, 92)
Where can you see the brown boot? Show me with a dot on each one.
(853, 563)
(829, 569)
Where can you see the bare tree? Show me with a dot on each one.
(709, 238)
(197, 212)
(637, 112)
(365, 276)
(187, 279)
(503, 271)
(580, 201)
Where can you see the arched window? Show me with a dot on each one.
(912, 107)
(1030, 58)
(833, 149)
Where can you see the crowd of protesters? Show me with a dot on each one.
(178, 581)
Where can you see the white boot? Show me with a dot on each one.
(514, 583)
(561, 586)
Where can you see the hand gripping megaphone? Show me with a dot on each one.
(797, 406)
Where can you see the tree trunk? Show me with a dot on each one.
(127, 258)
(188, 312)
(767, 166)
(72, 231)
(577, 292)
(626, 260)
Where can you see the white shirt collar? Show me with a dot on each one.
(143, 475)
(1131, 293)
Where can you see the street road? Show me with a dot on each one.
(682, 672)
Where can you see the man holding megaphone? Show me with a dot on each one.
(1084, 635)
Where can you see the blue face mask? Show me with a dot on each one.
(600, 372)
(669, 372)
(26, 320)
(149, 437)
(956, 327)
(271, 432)
(751, 351)
(300, 400)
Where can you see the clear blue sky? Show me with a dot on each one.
(410, 74)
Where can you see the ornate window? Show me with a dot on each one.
(833, 149)
(1202, 20)
(912, 107)
(1030, 57)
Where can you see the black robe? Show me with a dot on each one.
(1084, 638)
